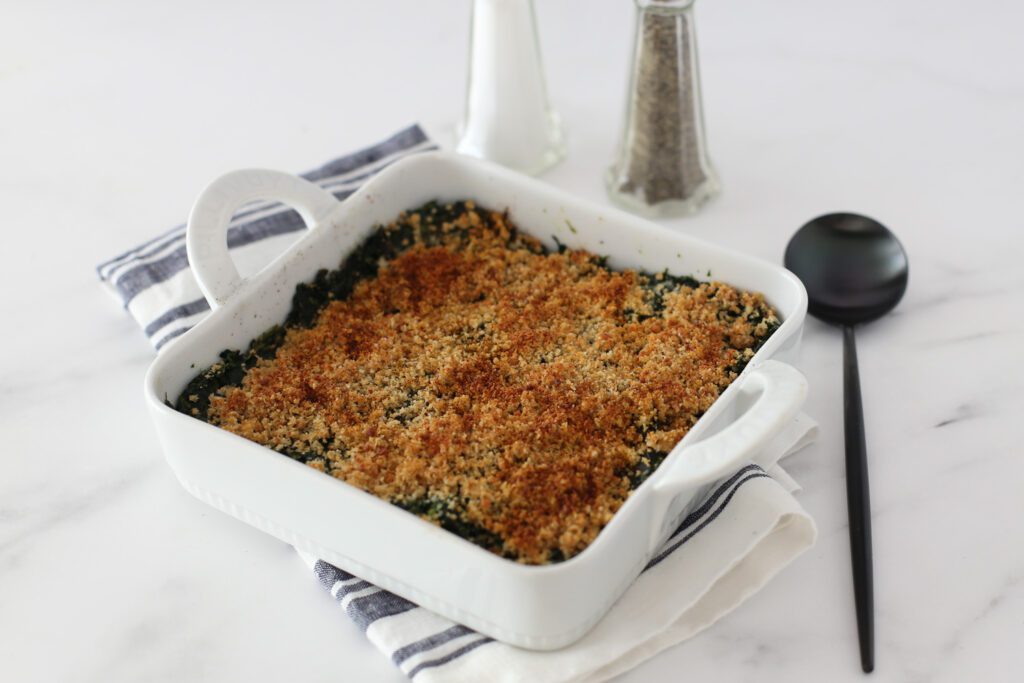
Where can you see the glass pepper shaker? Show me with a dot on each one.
(662, 168)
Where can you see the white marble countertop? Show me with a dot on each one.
(114, 114)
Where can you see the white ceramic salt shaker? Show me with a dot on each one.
(508, 119)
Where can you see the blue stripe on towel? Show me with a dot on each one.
(365, 610)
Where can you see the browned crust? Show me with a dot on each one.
(513, 385)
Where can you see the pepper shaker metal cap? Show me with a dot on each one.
(662, 168)
(508, 119)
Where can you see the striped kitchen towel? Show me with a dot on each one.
(153, 280)
(742, 534)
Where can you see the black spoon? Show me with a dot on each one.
(855, 270)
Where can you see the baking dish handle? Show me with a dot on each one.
(206, 237)
(782, 391)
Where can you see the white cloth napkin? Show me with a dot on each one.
(747, 529)
(745, 532)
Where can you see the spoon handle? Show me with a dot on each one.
(858, 502)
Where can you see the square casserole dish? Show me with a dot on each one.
(537, 607)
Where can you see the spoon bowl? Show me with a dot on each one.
(854, 268)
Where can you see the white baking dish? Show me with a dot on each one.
(538, 607)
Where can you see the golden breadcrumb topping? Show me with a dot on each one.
(513, 395)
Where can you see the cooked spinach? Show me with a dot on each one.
(644, 467)
(430, 225)
(195, 399)
(448, 514)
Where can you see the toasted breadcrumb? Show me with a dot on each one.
(513, 395)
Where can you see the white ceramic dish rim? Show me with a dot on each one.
(704, 462)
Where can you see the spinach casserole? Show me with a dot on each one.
(460, 370)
